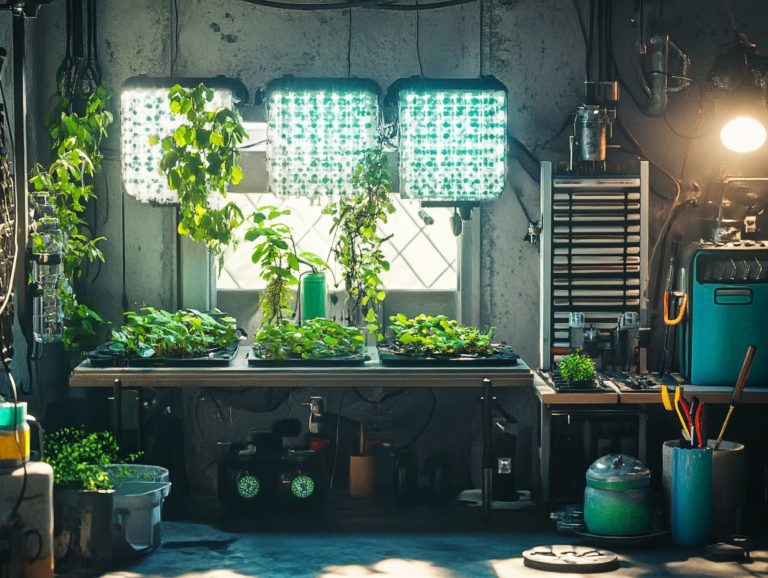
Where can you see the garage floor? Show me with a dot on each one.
(354, 538)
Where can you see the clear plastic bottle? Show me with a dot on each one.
(47, 245)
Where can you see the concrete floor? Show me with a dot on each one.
(354, 539)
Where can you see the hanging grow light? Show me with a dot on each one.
(453, 138)
(145, 112)
(317, 131)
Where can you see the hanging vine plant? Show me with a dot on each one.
(200, 162)
(275, 253)
(76, 146)
(356, 229)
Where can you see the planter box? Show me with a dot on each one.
(82, 523)
(220, 357)
(350, 360)
(503, 357)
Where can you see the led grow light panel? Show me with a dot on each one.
(316, 137)
(453, 143)
(145, 112)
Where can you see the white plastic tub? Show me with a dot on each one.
(139, 495)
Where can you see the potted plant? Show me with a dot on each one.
(578, 368)
(76, 138)
(280, 264)
(356, 230)
(200, 162)
(82, 498)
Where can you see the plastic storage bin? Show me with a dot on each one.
(139, 495)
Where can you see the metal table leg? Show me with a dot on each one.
(487, 459)
(117, 410)
(544, 450)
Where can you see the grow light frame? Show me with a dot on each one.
(139, 160)
(417, 179)
(331, 162)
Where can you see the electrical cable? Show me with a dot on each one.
(388, 395)
(13, 514)
(310, 7)
(349, 46)
(373, 4)
(481, 49)
(424, 427)
(176, 37)
(338, 438)
(418, 41)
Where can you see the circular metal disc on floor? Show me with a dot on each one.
(567, 558)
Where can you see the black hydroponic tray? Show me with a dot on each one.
(219, 357)
(349, 360)
(504, 356)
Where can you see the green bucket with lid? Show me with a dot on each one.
(617, 499)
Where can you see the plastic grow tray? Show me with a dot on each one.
(504, 356)
(352, 359)
(219, 357)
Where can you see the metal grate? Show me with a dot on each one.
(421, 257)
(593, 258)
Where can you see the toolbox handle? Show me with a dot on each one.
(733, 296)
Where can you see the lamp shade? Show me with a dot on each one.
(453, 138)
(317, 132)
(145, 112)
(743, 134)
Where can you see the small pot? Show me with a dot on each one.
(82, 530)
(581, 382)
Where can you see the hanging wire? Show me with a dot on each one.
(374, 4)
(349, 46)
(418, 40)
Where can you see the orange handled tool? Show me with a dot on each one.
(683, 296)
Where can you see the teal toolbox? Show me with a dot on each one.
(727, 288)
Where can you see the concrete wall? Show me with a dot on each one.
(534, 47)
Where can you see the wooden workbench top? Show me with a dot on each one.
(239, 374)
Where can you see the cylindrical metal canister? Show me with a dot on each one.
(313, 296)
(617, 500)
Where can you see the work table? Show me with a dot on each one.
(238, 374)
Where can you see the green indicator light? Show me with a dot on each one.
(248, 487)
(302, 486)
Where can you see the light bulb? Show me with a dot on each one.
(743, 135)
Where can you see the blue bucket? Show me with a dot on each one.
(691, 521)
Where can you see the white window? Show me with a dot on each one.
(422, 257)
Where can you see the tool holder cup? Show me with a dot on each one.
(691, 509)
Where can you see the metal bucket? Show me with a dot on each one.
(728, 484)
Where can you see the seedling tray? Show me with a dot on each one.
(503, 357)
(219, 357)
(350, 360)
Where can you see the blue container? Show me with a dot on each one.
(727, 308)
(691, 496)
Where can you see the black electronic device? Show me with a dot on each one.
(259, 474)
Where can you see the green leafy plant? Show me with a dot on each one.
(577, 366)
(313, 339)
(76, 140)
(186, 333)
(357, 237)
(200, 161)
(275, 253)
(428, 336)
(79, 458)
